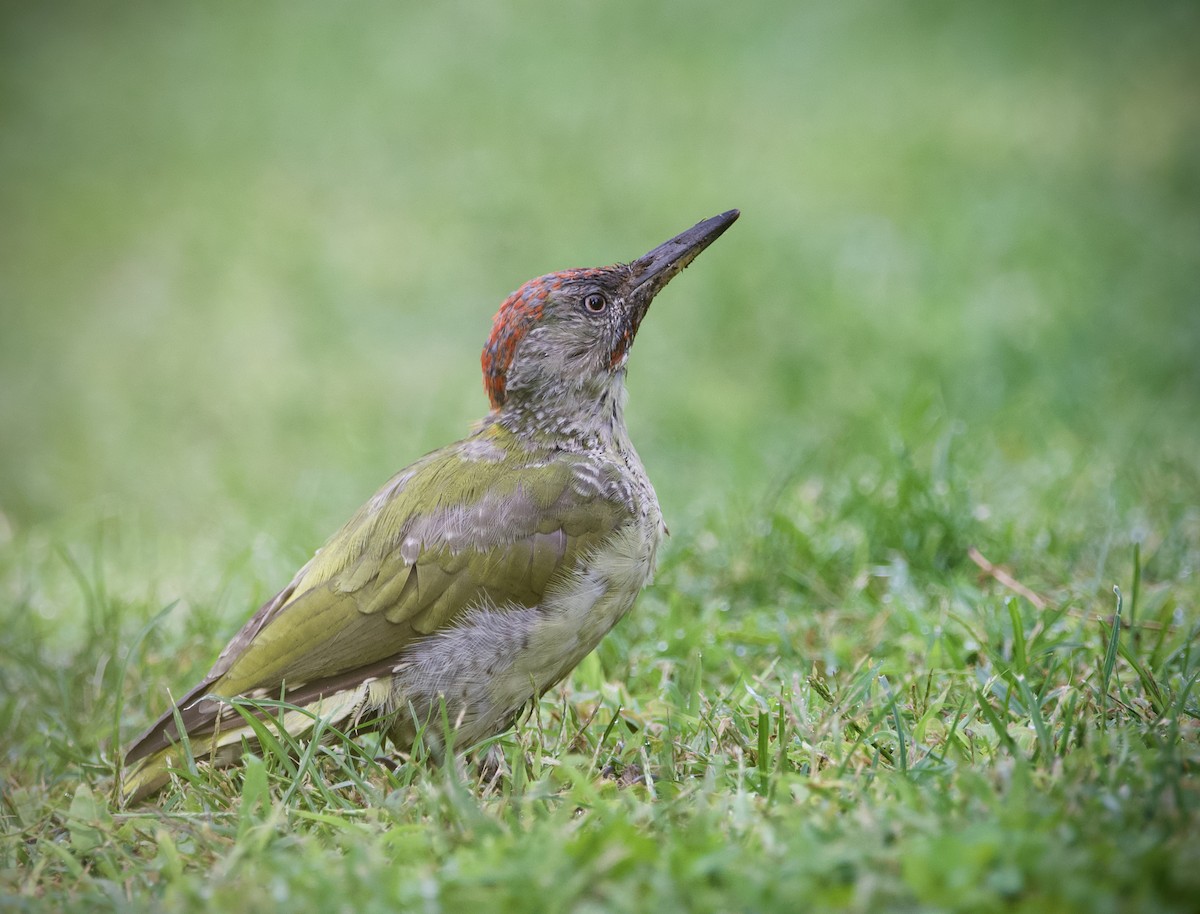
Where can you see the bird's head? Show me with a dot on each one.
(572, 330)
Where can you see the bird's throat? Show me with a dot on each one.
(579, 416)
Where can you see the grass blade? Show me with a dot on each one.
(1110, 660)
(1034, 710)
(1020, 661)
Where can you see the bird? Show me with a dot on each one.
(476, 578)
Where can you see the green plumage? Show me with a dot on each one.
(479, 576)
(359, 602)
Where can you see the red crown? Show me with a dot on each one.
(519, 312)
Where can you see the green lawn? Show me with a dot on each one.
(911, 421)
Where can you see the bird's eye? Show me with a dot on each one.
(595, 303)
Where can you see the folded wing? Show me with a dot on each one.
(474, 524)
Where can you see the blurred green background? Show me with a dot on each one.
(249, 253)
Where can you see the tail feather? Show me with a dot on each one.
(144, 774)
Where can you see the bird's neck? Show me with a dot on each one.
(577, 416)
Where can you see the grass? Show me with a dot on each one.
(911, 420)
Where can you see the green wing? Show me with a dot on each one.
(480, 522)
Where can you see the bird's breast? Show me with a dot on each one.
(582, 608)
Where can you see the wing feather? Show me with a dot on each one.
(450, 532)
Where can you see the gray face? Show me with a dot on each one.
(573, 330)
(587, 328)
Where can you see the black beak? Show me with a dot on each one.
(654, 270)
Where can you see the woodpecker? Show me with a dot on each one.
(479, 576)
